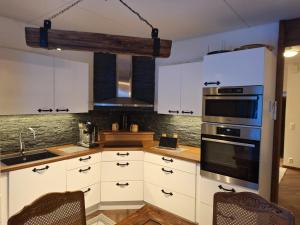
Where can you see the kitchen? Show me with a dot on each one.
(77, 90)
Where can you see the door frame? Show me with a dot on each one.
(289, 35)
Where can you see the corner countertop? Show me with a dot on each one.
(187, 153)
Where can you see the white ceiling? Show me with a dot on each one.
(176, 19)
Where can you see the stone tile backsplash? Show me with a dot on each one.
(58, 129)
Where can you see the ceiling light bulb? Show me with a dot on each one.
(290, 53)
(58, 49)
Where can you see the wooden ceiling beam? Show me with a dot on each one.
(96, 42)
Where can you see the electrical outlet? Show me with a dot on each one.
(291, 160)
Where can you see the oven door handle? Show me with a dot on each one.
(229, 142)
(224, 97)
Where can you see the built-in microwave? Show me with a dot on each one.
(231, 153)
(233, 105)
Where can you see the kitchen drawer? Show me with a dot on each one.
(207, 189)
(173, 179)
(176, 203)
(91, 195)
(122, 155)
(171, 162)
(83, 176)
(83, 161)
(122, 170)
(122, 191)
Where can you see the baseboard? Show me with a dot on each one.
(121, 205)
(290, 167)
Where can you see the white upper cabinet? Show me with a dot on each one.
(26, 82)
(71, 86)
(237, 68)
(179, 89)
(35, 84)
(169, 85)
(191, 91)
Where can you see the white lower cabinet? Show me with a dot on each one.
(210, 187)
(122, 176)
(170, 184)
(122, 191)
(204, 214)
(176, 180)
(28, 184)
(84, 174)
(125, 170)
(179, 204)
(205, 190)
(91, 195)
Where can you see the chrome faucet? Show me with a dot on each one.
(22, 144)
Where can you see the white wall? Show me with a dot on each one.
(12, 35)
(194, 49)
(292, 119)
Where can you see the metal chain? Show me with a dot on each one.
(124, 3)
(65, 9)
(136, 13)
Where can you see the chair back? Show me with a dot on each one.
(53, 209)
(247, 208)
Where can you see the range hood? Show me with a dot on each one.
(123, 86)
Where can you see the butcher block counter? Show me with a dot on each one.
(187, 153)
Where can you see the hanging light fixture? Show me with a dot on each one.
(290, 52)
(48, 38)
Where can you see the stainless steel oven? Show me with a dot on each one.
(231, 153)
(233, 105)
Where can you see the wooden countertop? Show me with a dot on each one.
(188, 153)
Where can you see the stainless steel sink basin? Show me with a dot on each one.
(28, 158)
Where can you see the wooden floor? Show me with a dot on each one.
(289, 192)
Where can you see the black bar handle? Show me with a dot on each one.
(62, 110)
(120, 184)
(211, 83)
(45, 110)
(187, 112)
(225, 189)
(168, 160)
(173, 111)
(88, 190)
(166, 193)
(37, 170)
(85, 159)
(167, 171)
(81, 170)
(123, 164)
(123, 154)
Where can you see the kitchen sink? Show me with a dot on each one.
(28, 158)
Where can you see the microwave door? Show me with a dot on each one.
(245, 110)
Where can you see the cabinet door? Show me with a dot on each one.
(169, 85)
(71, 86)
(204, 214)
(191, 89)
(26, 82)
(239, 68)
(27, 185)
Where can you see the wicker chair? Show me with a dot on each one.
(246, 208)
(53, 209)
